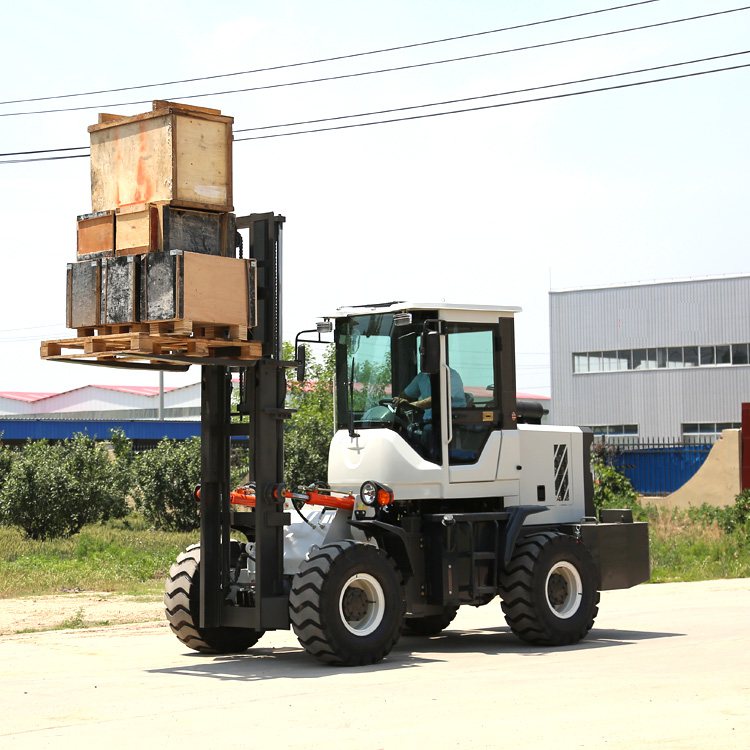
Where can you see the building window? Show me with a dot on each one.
(618, 434)
(661, 357)
(706, 432)
(739, 354)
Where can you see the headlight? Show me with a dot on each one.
(372, 493)
(369, 493)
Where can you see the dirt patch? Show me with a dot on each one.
(77, 610)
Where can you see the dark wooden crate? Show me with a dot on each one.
(83, 291)
(120, 290)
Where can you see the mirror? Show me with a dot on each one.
(301, 357)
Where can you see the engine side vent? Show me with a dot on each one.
(562, 487)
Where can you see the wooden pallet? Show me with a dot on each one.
(170, 328)
(132, 345)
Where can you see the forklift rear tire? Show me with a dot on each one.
(182, 601)
(549, 590)
(430, 624)
(347, 604)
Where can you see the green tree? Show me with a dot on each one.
(308, 433)
(166, 480)
(53, 490)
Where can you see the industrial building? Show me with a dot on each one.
(653, 360)
(145, 413)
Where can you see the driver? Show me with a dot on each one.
(418, 394)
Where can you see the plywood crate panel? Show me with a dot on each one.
(162, 227)
(95, 235)
(120, 290)
(83, 292)
(191, 286)
(175, 153)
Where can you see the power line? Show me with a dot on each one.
(392, 69)
(494, 106)
(432, 104)
(332, 59)
(487, 96)
(461, 111)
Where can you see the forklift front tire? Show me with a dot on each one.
(347, 604)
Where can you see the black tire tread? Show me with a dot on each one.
(523, 612)
(180, 603)
(306, 610)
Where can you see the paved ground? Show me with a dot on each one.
(666, 666)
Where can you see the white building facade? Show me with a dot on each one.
(656, 360)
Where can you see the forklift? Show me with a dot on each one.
(443, 490)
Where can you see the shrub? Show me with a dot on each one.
(53, 490)
(166, 478)
(730, 519)
(612, 489)
(307, 435)
(6, 461)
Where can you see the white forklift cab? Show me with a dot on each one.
(474, 441)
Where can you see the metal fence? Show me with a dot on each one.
(658, 467)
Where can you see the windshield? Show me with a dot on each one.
(376, 361)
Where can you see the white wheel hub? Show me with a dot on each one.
(362, 604)
(564, 590)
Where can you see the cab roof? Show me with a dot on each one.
(446, 310)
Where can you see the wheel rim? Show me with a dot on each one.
(362, 604)
(564, 590)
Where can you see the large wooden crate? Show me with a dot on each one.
(83, 291)
(161, 227)
(120, 291)
(176, 153)
(201, 288)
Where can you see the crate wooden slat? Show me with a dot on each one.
(175, 153)
(83, 293)
(95, 235)
(120, 290)
(171, 328)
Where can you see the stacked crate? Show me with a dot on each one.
(156, 252)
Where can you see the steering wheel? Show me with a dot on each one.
(405, 413)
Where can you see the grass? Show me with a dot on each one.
(127, 557)
(123, 556)
(689, 546)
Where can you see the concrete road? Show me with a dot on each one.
(666, 666)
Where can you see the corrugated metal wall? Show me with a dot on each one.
(677, 313)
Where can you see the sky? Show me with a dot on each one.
(495, 206)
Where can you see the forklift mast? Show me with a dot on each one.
(262, 387)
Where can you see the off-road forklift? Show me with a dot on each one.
(443, 490)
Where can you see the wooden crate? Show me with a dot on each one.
(207, 289)
(175, 153)
(83, 291)
(120, 290)
(161, 227)
(95, 235)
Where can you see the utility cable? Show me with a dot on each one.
(332, 59)
(392, 69)
(453, 112)
(495, 106)
(485, 96)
